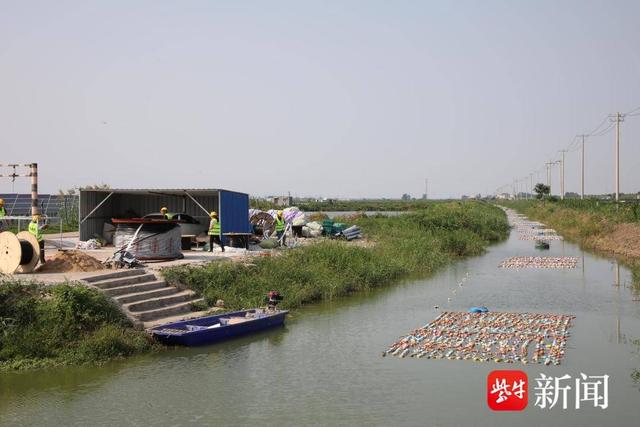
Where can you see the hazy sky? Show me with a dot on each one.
(334, 98)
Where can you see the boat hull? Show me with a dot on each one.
(168, 334)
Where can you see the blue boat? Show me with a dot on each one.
(210, 329)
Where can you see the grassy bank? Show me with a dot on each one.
(594, 224)
(64, 324)
(372, 205)
(415, 243)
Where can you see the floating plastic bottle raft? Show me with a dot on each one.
(545, 237)
(485, 337)
(539, 262)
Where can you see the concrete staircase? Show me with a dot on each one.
(145, 299)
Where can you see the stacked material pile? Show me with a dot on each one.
(147, 240)
(484, 337)
(294, 217)
(312, 229)
(351, 233)
(539, 262)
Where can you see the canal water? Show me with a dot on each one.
(325, 367)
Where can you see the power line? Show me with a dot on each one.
(605, 120)
(633, 111)
(606, 130)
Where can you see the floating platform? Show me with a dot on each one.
(485, 337)
(548, 237)
(539, 262)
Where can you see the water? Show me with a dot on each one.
(325, 366)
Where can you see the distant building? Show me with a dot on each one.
(281, 200)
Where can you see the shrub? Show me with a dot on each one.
(61, 324)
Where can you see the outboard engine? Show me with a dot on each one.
(273, 298)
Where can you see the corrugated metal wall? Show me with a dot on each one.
(234, 212)
(233, 209)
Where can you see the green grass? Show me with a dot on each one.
(414, 243)
(372, 205)
(64, 324)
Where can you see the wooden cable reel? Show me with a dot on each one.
(19, 253)
(264, 222)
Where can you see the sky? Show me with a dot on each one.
(340, 99)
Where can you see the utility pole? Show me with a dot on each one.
(582, 170)
(426, 188)
(531, 184)
(562, 175)
(549, 163)
(618, 119)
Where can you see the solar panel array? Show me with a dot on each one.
(50, 204)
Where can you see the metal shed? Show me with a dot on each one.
(96, 207)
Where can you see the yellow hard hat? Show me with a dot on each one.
(1, 202)
(163, 209)
(35, 218)
(280, 213)
(213, 214)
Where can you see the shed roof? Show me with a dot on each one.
(161, 191)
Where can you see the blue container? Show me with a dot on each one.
(234, 213)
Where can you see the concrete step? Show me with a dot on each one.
(179, 317)
(116, 274)
(115, 283)
(135, 288)
(142, 296)
(170, 310)
(162, 301)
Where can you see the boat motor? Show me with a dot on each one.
(273, 298)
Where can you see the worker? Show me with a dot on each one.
(214, 232)
(164, 211)
(3, 213)
(280, 225)
(36, 229)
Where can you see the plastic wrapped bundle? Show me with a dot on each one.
(153, 241)
(299, 219)
(314, 225)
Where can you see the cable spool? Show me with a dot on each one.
(18, 253)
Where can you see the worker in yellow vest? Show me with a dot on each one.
(36, 229)
(214, 232)
(165, 212)
(3, 213)
(280, 226)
